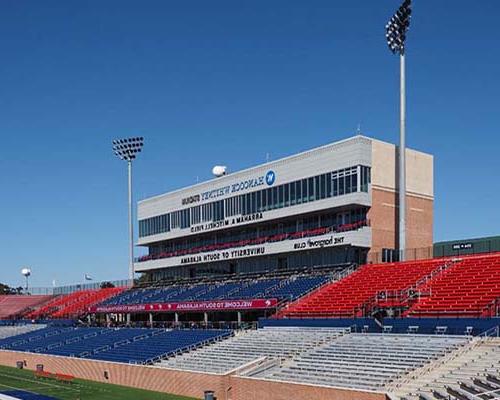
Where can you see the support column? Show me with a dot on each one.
(128, 319)
(151, 320)
(205, 318)
(108, 320)
(239, 318)
(176, 318)
(402, 163)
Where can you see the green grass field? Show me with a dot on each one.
(16, 379)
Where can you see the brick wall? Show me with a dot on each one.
(257, 389)
(384, 217)
(183, 383)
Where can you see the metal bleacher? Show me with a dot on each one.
(472, 374)
(364, 361)
(250, 346)
(9, 331)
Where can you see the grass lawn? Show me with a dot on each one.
(17, 379)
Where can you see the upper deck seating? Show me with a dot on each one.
(464, 290)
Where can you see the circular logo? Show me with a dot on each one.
(270, 178)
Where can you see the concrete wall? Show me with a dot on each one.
(182, 383)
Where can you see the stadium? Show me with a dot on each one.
(310, 277)
(280, 281)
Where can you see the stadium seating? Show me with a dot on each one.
(470, 373)
(467, 289)
(250, 346)
(159, 344)
(346, 297)
(8, 331)
(364, 361)
(128, 345)
(256, 241)
(14, 305)
(74, 304)
(286, 288)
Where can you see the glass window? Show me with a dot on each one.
(280, 196)
(310, 187)
(287, 194)
(354, 182)
(305, 197)
(347, 184)
(298, 188)
(293, 200)
(329, 185)
(275, 197)
(264, 200)
(341, 185)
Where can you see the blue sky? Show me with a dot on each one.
(224, 82)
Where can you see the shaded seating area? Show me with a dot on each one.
(286, 287)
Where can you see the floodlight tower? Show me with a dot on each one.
(127, 149)
(396, 30)
(26, 272)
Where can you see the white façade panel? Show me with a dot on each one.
(359, 238)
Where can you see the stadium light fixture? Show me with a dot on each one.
(127, 150)
(396, 30)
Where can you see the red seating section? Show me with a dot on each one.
(464, 290)
(13, 305)
(74, 304)
(346, 297)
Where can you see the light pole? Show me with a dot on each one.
(127, 149)
(396, 30)
(26, 272)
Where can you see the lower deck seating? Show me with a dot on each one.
(471, 373)
(469, 288)
(250, 346)
(158, 345)
(9, 331)
(73, 304)
(14, 305)
(130, 345)
(345, 298)
(364, 361)
(288, 287)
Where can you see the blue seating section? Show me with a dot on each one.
(134, 345)
(289, 288)
(160, 344)
(295, 288)
(22, 395)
